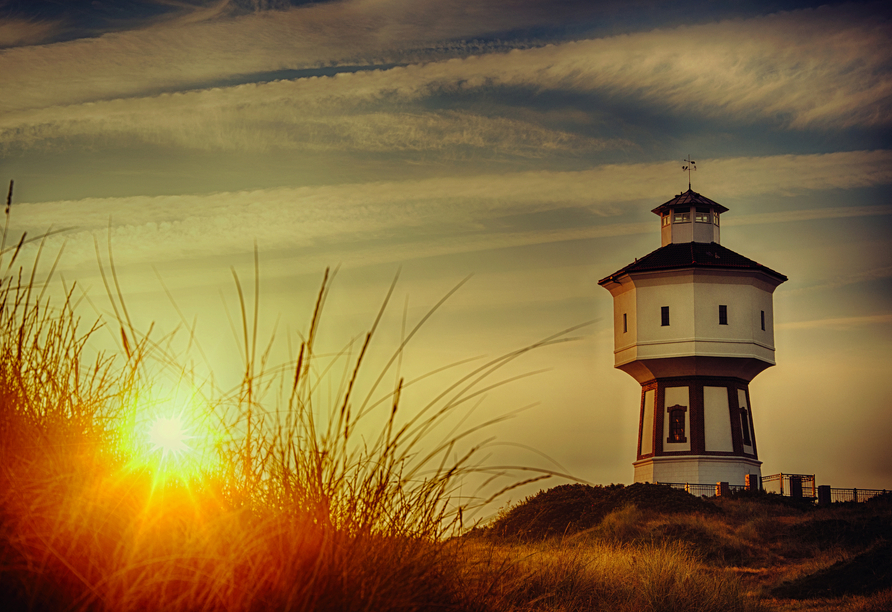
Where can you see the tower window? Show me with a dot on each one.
(763, 320)
(625, 323)
(723, 315)
(702, 215)
(665, 219)
(682, 217)
(716, 218)
(676, 424)
(745, 427)
(664, 316)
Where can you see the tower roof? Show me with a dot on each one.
(709, 255)
(689, 198)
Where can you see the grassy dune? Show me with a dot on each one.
(667, 550)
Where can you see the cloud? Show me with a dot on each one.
(812, 214)
(210, 121)
(15, 32)
(803, 69)
(195, 48)
(851, 277)
(186, 13)
(800, 69)
(165, 56)
(383, 110)
(839, 323)
(397, 220)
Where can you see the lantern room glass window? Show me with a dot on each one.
(665, 219)
(703, 216)
(681, 216)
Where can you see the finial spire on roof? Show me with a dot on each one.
(690, 164)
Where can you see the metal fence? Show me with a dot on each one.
(788, 485)
(700, 490)
(791, 485)
(855, 495)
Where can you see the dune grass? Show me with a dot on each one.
(283, 512)
(588, 574)
(265, 504)
(270, 499)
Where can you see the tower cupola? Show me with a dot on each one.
(689, 217)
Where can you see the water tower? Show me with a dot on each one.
(693, 324)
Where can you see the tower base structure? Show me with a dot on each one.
(696, 430)
(698, 470)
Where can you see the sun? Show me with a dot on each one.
(169, 435)
(172, 436)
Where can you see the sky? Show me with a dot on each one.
(520, 143)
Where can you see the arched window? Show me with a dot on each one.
(677, 424)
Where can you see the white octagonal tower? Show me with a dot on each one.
(693, 324)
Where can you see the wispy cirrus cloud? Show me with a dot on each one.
(391, 221)
(15, 32)
(841, 323)
(201, 120)
(812, 214)
(851, 277)
(805, 68)
(719, 70)
(789, 174)
(195, 47)
(798, 69)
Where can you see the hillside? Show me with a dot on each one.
(788, 555)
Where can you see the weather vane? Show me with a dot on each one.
(690, 164)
